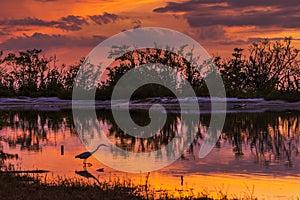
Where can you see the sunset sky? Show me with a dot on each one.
(72, 28)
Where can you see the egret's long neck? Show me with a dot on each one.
(96, 150)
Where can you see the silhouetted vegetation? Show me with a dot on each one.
(29, 73)
(34, 188)
(269, 70)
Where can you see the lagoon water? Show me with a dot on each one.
(257, 153)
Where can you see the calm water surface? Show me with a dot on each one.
(256, 152)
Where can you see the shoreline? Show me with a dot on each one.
(171, 105)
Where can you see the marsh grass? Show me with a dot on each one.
(33, 187)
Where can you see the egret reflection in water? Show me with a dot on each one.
(86, 174)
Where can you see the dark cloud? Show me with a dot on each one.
(71, 23)
(264, 3)
(47, 42)
(177, 7)
(242, 20)
(251, 40)
(68, 23)
(265, 13)
(28, 21)
(257, 39)
(211, 32)
(104, 19)
(230, 4)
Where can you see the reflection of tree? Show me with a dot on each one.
(271, 137)
(286, 136)
(32, 127)
(124, 140)
(4, 156)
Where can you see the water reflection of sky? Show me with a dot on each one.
(259, 149)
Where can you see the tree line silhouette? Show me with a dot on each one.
(269, 69)
(29, 73)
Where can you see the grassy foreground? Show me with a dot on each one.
(22, 187)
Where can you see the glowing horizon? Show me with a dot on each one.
(70, 30)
